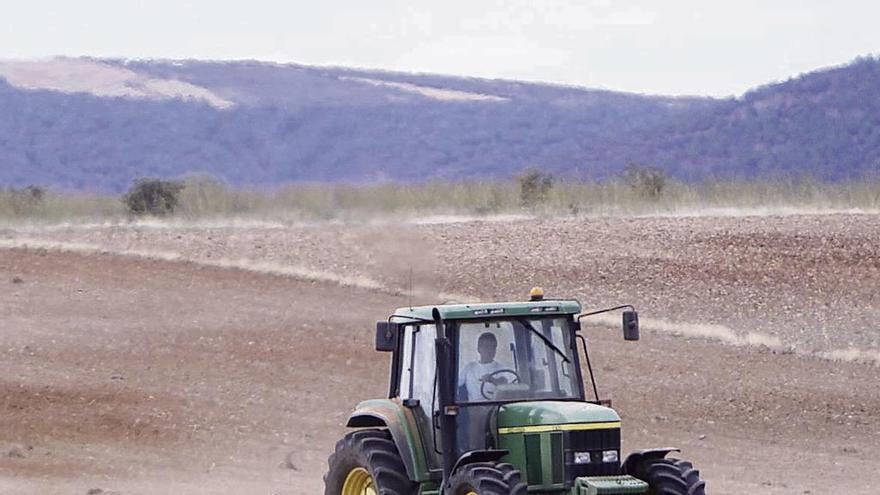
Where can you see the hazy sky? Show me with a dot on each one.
(670, 46)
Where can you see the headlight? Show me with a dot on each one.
(581, 457)
(609, 456)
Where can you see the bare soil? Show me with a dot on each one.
(149, 376)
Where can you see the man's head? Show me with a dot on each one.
(487, 345)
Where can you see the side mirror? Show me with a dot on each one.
(386, 336)
(630, 325)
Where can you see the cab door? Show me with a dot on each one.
(418, 384)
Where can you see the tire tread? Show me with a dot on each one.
(375, 451)
(487, 478)
(670, 477)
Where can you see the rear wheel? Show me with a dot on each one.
(366, 462)
(487, 478)
(671, 477)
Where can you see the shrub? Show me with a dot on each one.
(534, 186)
(24, 202)
(34, 194)
(647, 182)
(153, 197)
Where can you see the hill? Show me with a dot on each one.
(97, 124)
(825, 124)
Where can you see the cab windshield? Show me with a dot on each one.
(515, 359)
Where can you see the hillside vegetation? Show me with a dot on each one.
(257, 124)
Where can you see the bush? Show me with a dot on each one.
(153, 197)
(25, 202)
(534, 186)
(648, 182)
(34, 194)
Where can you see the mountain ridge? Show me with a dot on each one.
(285, 123)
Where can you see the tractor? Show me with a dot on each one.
(489, 399)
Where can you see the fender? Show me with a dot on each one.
(470, 457)
(638, 456)
(401, 423)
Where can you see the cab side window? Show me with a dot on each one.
(418, 365)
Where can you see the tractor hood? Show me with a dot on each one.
(551, 414)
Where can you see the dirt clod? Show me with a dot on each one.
(16, 452)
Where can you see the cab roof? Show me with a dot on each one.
(486, 310)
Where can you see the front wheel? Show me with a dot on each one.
(487, 478)
(366, 462)
(671, 477)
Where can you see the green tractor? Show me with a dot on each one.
(489, 399)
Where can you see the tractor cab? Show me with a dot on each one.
(490, 391)
(497, 354)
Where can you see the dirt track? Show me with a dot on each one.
(143, 376)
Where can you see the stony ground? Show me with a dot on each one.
(809, 282)
(220, 360)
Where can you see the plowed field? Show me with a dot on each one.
(206, 359)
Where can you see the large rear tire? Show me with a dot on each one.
(366, 462)
(670, 477)
(487, 478)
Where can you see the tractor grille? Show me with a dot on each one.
(536, 452)
(594, 442)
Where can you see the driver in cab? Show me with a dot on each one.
(473, 374)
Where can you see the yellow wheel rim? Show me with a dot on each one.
(359, 482)
(471, 493)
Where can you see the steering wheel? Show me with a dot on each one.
(490, 396)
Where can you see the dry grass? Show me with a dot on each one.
(206, 199)
(18, 206)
